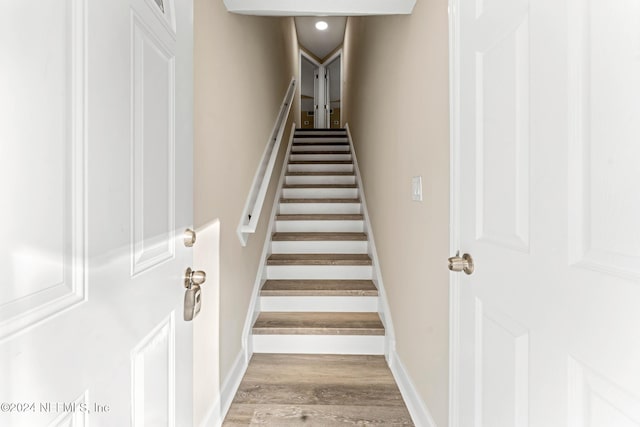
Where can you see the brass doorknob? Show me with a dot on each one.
(461, 263)
(194, 277)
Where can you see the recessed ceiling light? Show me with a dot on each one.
(321, 25)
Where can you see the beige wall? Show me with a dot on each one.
(396, 104)
(241, 63)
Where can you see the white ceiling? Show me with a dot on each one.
(320, 43)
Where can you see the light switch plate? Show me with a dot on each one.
(416, 188)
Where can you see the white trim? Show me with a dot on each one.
(362, 304)
(253, 206)
(383, 310)
(310, 58)
(320, 7)
(420, 414)
(303, 55)
(320, 344)
(254, 302)
(333, 57)
(454, 209)
(337, 54)
(217, 412)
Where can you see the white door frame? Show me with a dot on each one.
(304, 55)
(321, 66)
(454, 208)
(337, 54)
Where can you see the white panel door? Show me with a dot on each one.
(318, 116)
(321, 97)
(96, 184)
(327, 98)
(546, 131)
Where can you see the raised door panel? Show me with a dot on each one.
(153, 174)
(153, 377)
(41, 161)
(597, 401)
(502, 130)
(604, 202)
(501, 369)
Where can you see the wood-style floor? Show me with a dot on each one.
(318, 390)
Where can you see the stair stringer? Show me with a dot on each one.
(261, 275)
(383, 305)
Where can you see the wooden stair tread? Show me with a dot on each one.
(304, 200)
(319, 288)
(321, 162)
(320, 173)
(319, 259)
(320, 186)
(318, 236)
(318, 323)
(326, 135)
(320, 217)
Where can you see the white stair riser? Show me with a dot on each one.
(320, 132)
(320, 304)
(319, 344)
(320, 193)
(320, 226)
(335, 272)
(311, 167)
(312, 147)
(319, 208)
(323, 139)
(320, 179)
(299, 157)
(305, 247)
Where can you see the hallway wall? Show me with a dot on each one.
(397, 106)
(243, 65)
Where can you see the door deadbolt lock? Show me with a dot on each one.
(194, 277)
(189, 237)
(461, 263)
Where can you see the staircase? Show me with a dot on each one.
(319, 296)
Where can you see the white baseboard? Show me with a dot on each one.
(417, 408)
(384, 309)
(215, 415)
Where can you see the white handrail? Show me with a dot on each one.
(251, 212)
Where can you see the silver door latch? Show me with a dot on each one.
(461, 263)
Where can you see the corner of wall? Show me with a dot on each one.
(242, 65)
(220, 406)
(383, 305)
(396, 102)
(418, 409)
